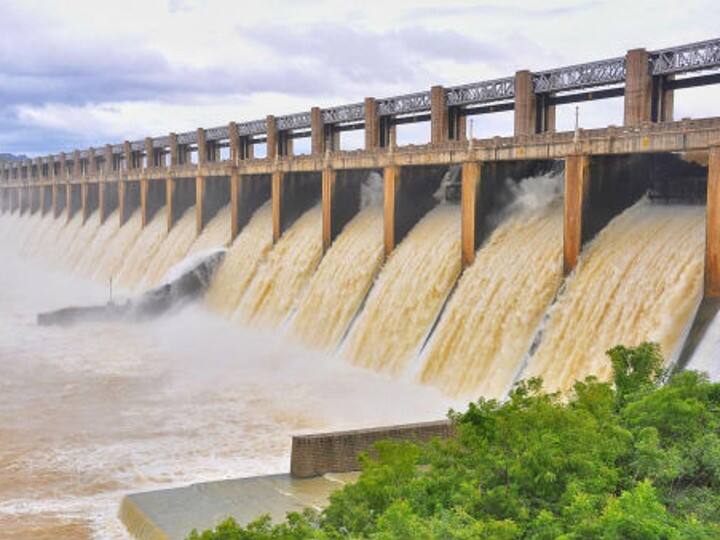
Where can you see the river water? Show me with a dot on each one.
(92, 412)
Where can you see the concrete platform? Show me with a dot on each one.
(170, 514)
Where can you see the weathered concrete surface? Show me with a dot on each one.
(170, 514)
(577, 183)
(321, 453)
(712, 233)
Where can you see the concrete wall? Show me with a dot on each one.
(341, 198)
(213, 193)
(129, 199)
(320, 453)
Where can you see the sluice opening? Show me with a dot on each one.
(215, 194)
(59, 199)
(155, 194)
(74, 200)
(181, 195)
(129, 194)
(108, 199)
(253, 191)
(91, 199)
(297, 192)
(47, 201)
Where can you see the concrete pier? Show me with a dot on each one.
(577, 184)
(470, 207)
(712, 232)
(340, 201)
(638, 88)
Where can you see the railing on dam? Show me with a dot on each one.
(645, 79)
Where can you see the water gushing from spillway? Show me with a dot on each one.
(639, 280)
(90, 413)
(241, 263)
(408, 294)
(281, 278)
(341, 282)
(490, 319)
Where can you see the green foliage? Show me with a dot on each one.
(630, 459)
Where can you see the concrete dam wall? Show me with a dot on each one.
(462, 278)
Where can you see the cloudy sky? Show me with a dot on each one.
(88, 72)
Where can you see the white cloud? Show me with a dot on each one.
(84, 70)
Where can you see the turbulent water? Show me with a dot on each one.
(341, 282)
(138, 257)
(640, 279)
(282, 277)
(489, 322)
(90, 413)
(408, 294)
(241, 263)
(171, 250)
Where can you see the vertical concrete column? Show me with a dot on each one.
(277, 204)
(144, 213)
(234, 203)
(391, 185)
(234, 139)
(174, 150)
(329, 176)
(170, 202)
(525, 111)
(76, 171)
(39, 201)
(577, 183)
(102, 182)
(638, 88)
(372, 125)
(439, 127)
(317, 132)
(149, 153)
(469, 205)
(127, 153)
(202, 148)
(200, 181)
(712, 232)
(200, 188)
(122, 200)
(272, 137)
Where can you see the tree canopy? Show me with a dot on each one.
(633, 458)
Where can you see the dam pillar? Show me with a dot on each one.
(379, 130)
(340, 201)
(272, 137)
(470, 210)
(712, 234)
(638, 88)
(277, 204)
(577, 183)
(533, 112)
(200, 181)
(446, 123)
(324, 138)
(391, 184)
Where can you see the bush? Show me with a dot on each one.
(630, 459)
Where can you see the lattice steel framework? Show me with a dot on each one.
(593, 74)
(704, 55)
(409, 103)
(686, 58)
(290, 122)
(481, 92)
(344, 113)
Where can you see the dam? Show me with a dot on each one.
(430, 274)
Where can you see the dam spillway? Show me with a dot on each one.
(482, 262)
